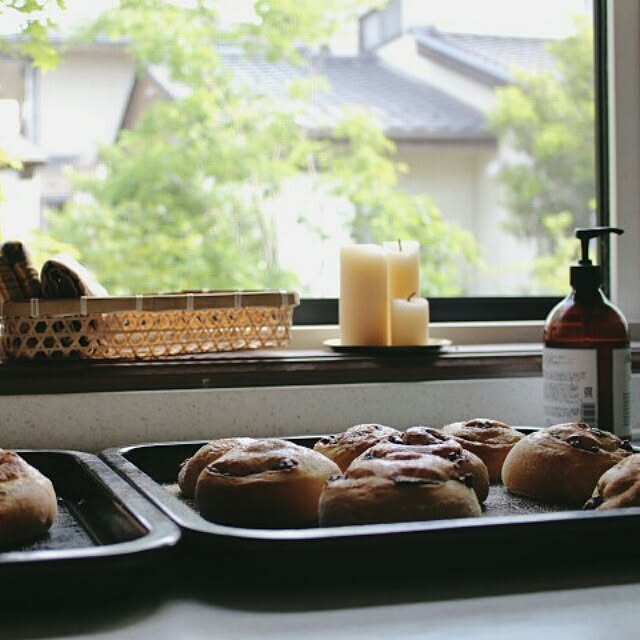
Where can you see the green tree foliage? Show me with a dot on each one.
(546, 120)
(34, 24)
(185, 199)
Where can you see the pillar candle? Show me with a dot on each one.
(409, 321)
(404, 268)
(364, 295)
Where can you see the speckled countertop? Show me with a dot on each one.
(92, 422)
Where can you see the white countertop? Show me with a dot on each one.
(595, 605)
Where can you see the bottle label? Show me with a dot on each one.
(570, 385)
(571, 388)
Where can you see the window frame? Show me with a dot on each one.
(623, 119)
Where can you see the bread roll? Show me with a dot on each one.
(269, 483)
(400, 485)
(423, 435)
(28, 505)
(618, 487)
(345, 447)
(192, 467)
(562, 464)
(490, 440)
(434, 441)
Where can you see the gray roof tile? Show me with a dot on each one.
(496, 56)
(406, 108)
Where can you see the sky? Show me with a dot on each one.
(531, 18)
(542, 18)
(78, 12)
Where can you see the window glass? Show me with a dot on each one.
(186, 145)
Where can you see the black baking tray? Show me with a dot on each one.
(105, 530)
(511, 528)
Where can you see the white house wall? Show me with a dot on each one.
(82, 102)
(461, 179)
(445, 172)
(403, 56)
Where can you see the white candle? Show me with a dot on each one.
(364, 295)
(409, 321)
(404, 268)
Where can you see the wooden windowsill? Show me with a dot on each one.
(272, 368)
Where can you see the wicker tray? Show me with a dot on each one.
(147, 327)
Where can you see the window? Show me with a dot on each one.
(248, 161)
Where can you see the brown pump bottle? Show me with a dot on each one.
(586, 361)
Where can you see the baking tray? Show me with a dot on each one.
(104, 529)
(511, 528)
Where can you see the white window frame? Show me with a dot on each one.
(624, 153)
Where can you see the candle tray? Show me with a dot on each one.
(510, 527)
(148, 327)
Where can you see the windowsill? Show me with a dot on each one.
(460, 333)
(284, 367)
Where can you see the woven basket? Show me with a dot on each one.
(149, 327)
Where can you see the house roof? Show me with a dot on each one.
(407, 109)
(490, 59)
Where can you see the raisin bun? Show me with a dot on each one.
(423, 435)
(268, 483)
(345, 447)
(28, 505)
(192, 467)
(397, 483)
(562, 464)
(618, 487)
(490, 440)
(433, 441)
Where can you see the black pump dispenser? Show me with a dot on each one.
(585, 275)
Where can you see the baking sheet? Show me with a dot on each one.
(509, 525)
(103, 526)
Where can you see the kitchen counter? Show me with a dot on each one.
(558, 602)
(515, 600)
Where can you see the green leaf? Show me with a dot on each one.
(546, 120)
